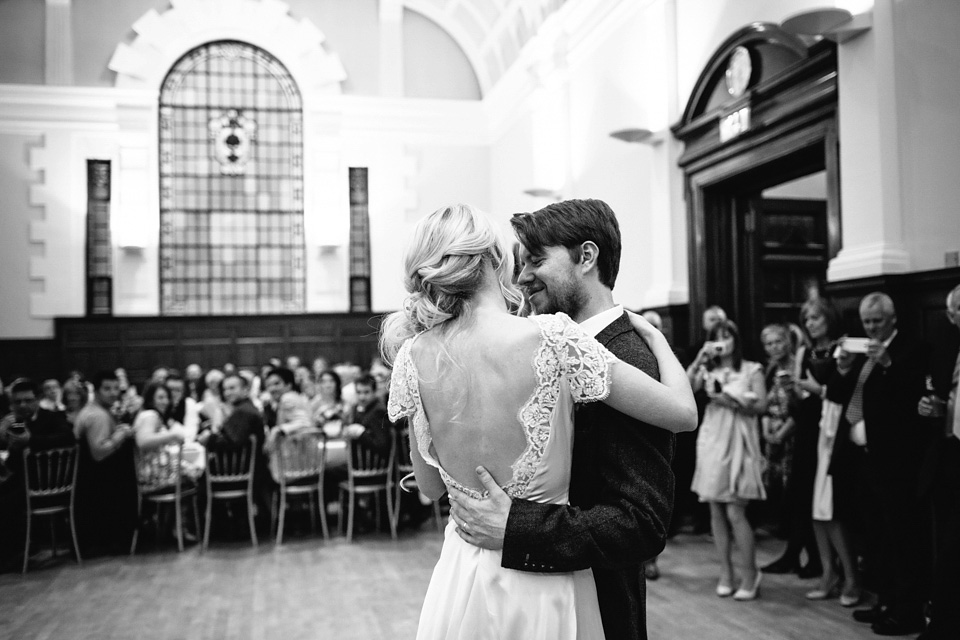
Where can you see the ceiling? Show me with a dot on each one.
(490, 32)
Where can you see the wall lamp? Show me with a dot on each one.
(838, 25)
(638, 136)
(540, 192)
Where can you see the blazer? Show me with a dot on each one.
(896, 436)
(621, 502)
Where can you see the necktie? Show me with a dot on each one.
(855, 406)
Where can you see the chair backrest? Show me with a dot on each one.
(158, 468)
(232, 464)
(404, 463)
(366, 462)
(50, 472)
(301, 454)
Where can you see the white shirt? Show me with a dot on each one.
(597, 323)
(858, 432)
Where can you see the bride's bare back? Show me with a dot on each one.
(472, 406)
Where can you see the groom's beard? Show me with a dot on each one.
(564, 297)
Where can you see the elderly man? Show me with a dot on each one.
(878, 450)
(943, 483)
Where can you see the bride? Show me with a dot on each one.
(485, 386)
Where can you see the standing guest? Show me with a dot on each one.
(51, 399)
(943, 484)
(729, 464)
(880, 444)
(106, 483)
(31, 426)
(777, 428)
(813, 446)
(74, 399)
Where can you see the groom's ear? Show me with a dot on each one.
(589, 254)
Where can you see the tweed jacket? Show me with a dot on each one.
(621, 501)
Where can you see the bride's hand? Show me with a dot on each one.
(640, 324)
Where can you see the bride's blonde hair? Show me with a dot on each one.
(443, 270)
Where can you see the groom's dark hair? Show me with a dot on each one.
(569, 224)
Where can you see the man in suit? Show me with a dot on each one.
(879, 445)
(621, 488)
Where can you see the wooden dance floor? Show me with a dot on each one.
(368, 590)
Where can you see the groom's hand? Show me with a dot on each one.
(482, 523)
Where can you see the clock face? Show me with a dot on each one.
(739, 70)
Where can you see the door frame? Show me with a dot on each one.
(792, 132)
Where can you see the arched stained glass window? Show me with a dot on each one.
(231, 184)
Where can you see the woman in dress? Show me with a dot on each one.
(729, 464)
(500, 390)
(155, 431)
(831, 505)
(327, 406)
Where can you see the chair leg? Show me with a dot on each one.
(196, 517)
(352, 498)
(206, 526)
(323, 514)
(53, 536)
(26, 544)
(396, 510)
(273, 512)
(379, 508)
(73, 534)
(136, 529)
(283, 513)
(390, 513)
(178, 519)
(253, 528)
(340, 508)
(313, 513)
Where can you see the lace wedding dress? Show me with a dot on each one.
(470, 595)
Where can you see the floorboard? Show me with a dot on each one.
(367, 590)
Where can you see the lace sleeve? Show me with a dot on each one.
(402, 384)
(584, 362)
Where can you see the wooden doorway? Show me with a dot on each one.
(762, 178)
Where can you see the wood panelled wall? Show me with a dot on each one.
(140, 344)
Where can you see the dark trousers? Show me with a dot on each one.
(945, 597)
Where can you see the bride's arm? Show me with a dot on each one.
(667, 404)
(428, 478)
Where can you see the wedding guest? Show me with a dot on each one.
(106, 483)
(184, 410)
(211, 404)
(292, 410)
(879, 446)
(368, 422)
(51, 399)
(729, 462)
(194, 381)
(943, 486)
(74, 399)
(327, 406)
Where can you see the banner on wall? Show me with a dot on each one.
(99, 255)
(359, 241)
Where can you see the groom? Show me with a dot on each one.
(621, 488)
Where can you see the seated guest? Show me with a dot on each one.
(326, 408)
(74, 399)
(292, 409)
(305, 381)
(244, 421)
(106, 500)
(368, 422)
(51, 395)
(155, 431)
(211, 404)
(27, 426)
(184, 410)
(194, 380)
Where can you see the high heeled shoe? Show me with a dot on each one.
(821, 593)
(743, 594)
(724, 590)
(851, 597)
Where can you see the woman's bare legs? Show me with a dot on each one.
(821, 531)
(840, 538)
(743, 535)
(720, 527)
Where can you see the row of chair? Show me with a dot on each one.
(299, 463)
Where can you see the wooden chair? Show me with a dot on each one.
(50, 478)
(230, 476)
(368, 472)
(299, 461)
(404, 468)
(160, 481)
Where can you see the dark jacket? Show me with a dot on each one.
(621, 502)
